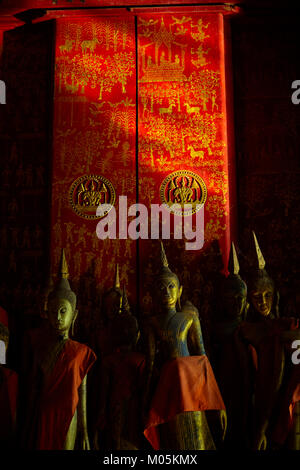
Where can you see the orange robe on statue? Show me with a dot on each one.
(55, 396)
(186, 384)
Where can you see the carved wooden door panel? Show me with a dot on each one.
(136, 98)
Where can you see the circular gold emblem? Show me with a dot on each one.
(183, 187)
(88, 192)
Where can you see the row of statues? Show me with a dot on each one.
(150, 384)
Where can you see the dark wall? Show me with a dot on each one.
(25, 143)
(267, 128)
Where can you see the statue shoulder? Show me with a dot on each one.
(186, 318)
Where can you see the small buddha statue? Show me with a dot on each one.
(270, 338)
(119, 426)
(180, 384)
(55, 370)
(102, 343)
(8, 390)
(112, 301)
(261, 287)
(231, 356)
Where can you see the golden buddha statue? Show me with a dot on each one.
(8, 390)
(55, 370)
(180, 385)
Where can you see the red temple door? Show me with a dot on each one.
(139, 95)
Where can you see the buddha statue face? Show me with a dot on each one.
(234, 303)
(234, 297)
(261, 292)
(112, 304)
(168, 290)
(61, 315)
(262, 299)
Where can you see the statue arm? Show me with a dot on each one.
(82, 416)
(195, 338)
(150, 356)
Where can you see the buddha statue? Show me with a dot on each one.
(55, 370)
(8, 390)
(179, 381)
(231, 356)
(103, 346)
(270, 338)
(262, 295)
(119, 426)
(112, 299)
(111, 307)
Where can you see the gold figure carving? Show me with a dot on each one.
(162, 69)
(184, 187)
(200, 34)
(88, 192)
(201, 57)
(195, 154)
(67, 46)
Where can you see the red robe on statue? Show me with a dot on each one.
(269, 350)
(55, 396)
(185, 384)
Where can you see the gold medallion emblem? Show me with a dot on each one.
(88, 192)
(183, 187)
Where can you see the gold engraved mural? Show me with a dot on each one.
(94, 146)
(182, 122)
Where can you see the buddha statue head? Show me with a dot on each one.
(234, 290)
(4, 335)
(168, 288)
(112, 299)
(61, 305)
(260, 285)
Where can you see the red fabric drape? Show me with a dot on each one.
(52, 400)
(185, 384)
